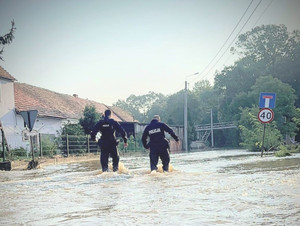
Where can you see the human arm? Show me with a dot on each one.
(144, 139)
(170, 131)
(95, 130)
(122, 132)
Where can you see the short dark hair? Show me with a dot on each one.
(107, 112)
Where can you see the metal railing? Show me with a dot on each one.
(220, 125)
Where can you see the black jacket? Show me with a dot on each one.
(108, 127)
(156, 131)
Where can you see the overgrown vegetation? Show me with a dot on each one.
(134, 144)
(49, 145)
(252, 132)
(73, 139)
(287, 150)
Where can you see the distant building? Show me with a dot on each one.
(54, 110)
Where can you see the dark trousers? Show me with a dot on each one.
(161, 153)
(106, 151)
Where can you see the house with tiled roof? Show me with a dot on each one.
(54, 110)
(57, 105)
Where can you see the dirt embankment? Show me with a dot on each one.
(44, 161)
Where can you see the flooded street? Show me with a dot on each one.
(206, 188)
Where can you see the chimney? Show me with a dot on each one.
(75, 95)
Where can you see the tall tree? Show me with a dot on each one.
(202, 98)
(265, 50)
(274, 51)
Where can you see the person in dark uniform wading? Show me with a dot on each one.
(158, 144)
(108, 142)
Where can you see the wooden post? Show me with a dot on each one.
(67, 143)
(4, 138)
(88, 143)
(3, 145)
(41, 148)
(31, 147)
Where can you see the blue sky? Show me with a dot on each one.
(107, 50)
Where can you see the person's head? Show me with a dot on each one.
(107, 113)
(156, 117)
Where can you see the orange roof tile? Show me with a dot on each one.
(122, 114)
(52, 104)
(5, 74)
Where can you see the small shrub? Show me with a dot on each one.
(49, 145)
(17, 153)
(283, 151)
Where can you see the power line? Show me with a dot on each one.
(226, 40)
(263, 12)
(266, 8)
(234, 38)
(229, 38)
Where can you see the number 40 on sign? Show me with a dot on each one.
(265, 115)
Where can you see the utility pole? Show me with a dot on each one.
(185, 118)
(211, 128)
(185, 113)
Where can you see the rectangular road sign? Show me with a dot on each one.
(267, 100)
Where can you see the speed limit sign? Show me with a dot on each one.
(265, 115)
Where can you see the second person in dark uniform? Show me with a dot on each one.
(108, 142)
(158, 144)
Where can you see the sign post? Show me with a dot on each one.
(265, 114)
(29, 120)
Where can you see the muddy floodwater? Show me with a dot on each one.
(205, 188)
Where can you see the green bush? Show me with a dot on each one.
(252, 131)
(287, 150)
(49, 145)
(282, 151)
(16, 154)
(76, 139)
(134, 144)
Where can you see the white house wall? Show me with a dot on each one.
(7, 110)
(17, 135)
(7, 100)
(47, 125)
(9, 125)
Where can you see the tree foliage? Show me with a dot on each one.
(72, 129)
(271, 50)
(139, 106)
(285, 108)
(252, 131)
(90, 118)
(7, 38)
